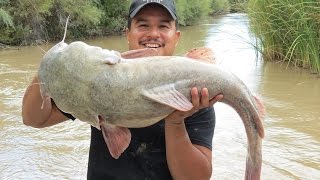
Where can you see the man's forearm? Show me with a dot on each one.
(37, 112)
(32, 114)
(185, 161)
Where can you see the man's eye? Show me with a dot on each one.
(142, 25)
(164, 27)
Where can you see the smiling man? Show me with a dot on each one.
(177, 147)
(153, 26)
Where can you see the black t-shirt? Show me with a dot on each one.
(145, 158)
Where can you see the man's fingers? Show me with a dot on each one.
(204, 97)
(195, 98)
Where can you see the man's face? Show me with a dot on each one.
(153, 27)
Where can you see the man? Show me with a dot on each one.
(174, 147)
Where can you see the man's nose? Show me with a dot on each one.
(154, 32)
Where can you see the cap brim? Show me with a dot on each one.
(134, 13)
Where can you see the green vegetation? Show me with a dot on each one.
(38, 21)
(189, 14)
(191, 11)
(238, 5)
(115, 12)
(219, 7)
(288, 30)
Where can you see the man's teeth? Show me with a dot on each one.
(152, 45)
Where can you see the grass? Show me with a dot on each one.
(289, 31)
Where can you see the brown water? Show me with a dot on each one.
(291, 148)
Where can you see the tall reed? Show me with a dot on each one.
(289, 30)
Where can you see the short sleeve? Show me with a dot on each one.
(64, 113)
(200, 127)
(67, 115)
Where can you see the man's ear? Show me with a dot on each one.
(127, 34)
(178, 34)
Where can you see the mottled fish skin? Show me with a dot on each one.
(89, 81)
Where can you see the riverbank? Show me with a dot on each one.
(7, 47)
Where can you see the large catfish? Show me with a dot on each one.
(102, 88)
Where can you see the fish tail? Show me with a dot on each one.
(254, 158)
(252, 172)
(249, 110)
(262, 113)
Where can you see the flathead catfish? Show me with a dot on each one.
(100, 87)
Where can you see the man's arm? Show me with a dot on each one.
(186, 160)
(33, 115)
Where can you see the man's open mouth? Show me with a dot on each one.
(152, 45)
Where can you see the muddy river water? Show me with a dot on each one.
(291, 148)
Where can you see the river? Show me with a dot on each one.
(291, 147)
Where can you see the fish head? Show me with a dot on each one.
(97, 54)
(55, 49)
(50, 55)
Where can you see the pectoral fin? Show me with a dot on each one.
(116, 138)
(169, 96)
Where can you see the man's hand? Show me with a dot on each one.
(199, 102)
(203, 54)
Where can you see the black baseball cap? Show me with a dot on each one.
(136, 5)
